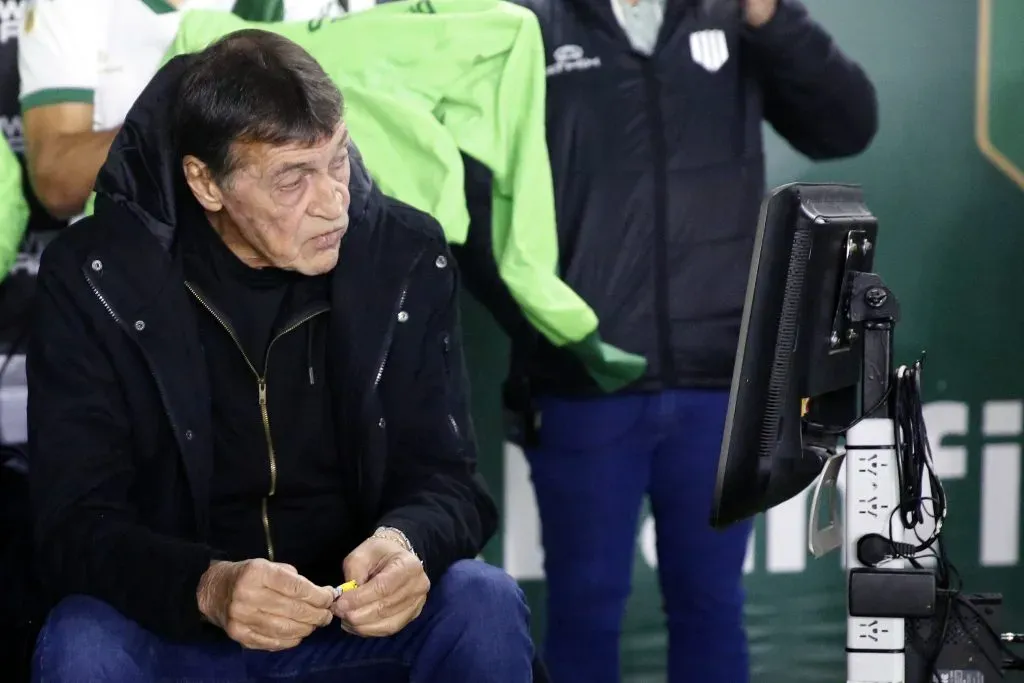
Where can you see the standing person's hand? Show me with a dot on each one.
(760, 12)
(263, 605)
(392, 588)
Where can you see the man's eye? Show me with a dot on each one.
(291, 186)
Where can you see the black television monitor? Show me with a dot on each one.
(801, 344)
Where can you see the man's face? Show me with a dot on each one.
(286, 206)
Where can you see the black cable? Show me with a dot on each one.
(914, 456)
(914, 467)
(944, 578)
(872, 549)
(933, 659)
(841, 431)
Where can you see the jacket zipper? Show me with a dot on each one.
(446, 343)
(261, 386)
(388, 338)
(661, 295)
(390, 333)
(117, 319)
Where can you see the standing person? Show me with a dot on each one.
(83, 62)
(654, 123)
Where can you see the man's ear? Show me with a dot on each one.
(200, 181)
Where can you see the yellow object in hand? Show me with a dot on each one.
(344, 588)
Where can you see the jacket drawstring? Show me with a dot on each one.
(309, 351)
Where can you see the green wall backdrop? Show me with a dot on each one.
(944, 179)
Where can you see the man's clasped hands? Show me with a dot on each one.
(266, 605)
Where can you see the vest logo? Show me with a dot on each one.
(709, 49)
(571, 58)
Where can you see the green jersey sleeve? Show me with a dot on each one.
(13, 208)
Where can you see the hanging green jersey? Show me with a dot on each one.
(426, 81)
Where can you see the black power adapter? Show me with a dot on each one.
(892, 593)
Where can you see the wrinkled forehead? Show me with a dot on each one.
(264, 160)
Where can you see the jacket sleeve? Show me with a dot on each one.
(814, 96)
(88, 538)
(13, 208)
(432, 491)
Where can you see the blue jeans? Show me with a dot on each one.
(473, 629)
(596, 460)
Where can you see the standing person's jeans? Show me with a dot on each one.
(596, 460)
(474, 629)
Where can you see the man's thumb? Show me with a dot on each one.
(357, 566)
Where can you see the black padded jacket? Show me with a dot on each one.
(119, 411)
(659, 171)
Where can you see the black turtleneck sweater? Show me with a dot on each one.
(264, 335)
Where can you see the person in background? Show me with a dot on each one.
(83, 62)
(13, 208)
(246, 386)
(40, 224)
(654, 119)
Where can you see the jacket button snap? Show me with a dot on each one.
(402, 316)
(381, 423)
(97, 265)
(140, 325)
(441, 261)
(188, 435)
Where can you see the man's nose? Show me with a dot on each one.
(331, 199)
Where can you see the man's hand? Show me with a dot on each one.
(263, 605)
(392, 589)
(760, 12)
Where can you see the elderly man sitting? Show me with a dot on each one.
(246, 388)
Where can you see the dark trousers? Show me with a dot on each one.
(474, 629)
(596, 460)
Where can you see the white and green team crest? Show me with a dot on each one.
(999, 127)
